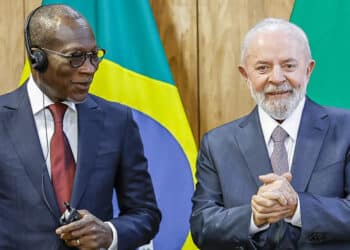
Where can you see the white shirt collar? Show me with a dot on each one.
(290, 125)
(39, 100)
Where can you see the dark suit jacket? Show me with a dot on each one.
(233, 156)
(110, 155)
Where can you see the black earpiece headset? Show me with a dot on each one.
(37, 57)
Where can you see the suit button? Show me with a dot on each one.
(315, 236)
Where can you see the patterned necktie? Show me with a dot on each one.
(279, 156)
(62, 161)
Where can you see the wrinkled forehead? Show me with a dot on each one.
(73, 30)
(67, 22)
(276, 43)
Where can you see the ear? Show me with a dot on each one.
(243, 71)
(310, 68)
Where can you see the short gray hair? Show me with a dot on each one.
(270, 24)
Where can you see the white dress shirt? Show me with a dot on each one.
(45, 127)
(291, 126)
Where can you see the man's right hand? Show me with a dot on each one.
(87, 233)
(267, 210)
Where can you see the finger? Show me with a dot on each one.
(293, 195)
(269, 202)
(266, 210)
(288, 191)
(67, 229)
(85, 241)
(264, 188)
(258, 218)
(291, 198)
(91, 227)
(263, 218)
(76, 225)
(273, 218)
(83, 212)
(277, 215)
(268, 178)
(288, 176)
(276, 196)
(262, 201)
(73, 225)
(273, 192)
(90, 242)
(269, 187)
(280, 186)
(74, 243)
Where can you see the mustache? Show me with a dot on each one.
(270, 88)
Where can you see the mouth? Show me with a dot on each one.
(279, 94)
(82, 84)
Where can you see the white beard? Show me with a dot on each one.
(278, 109)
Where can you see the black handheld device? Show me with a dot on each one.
(70, 215)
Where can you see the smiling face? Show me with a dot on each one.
(61, 81)
(277, 68)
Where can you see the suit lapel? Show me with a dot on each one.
(312, 131)
(90, 125)
(20, 126)
(253, 147)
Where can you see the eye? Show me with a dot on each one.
(290, 66)
(77, 54)
(263, 68)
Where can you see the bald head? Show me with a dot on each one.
(274, 25)
(46, 20)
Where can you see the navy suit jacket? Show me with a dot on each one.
(233, 156)
(110, 155)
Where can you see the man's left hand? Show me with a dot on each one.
(87, 233)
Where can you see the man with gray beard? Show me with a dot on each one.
(278, 178)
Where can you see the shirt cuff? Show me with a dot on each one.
(253, 229)
(114, 245)
(296, 219)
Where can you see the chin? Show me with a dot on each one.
(77, 99)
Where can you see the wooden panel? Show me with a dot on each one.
(12, 52)
(11, 40)
(222, 25)
(177, 25)
(279, 9)
(30, 5)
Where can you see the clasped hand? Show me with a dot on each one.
(275, 200)
(87, 233)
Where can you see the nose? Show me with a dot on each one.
(87, 67)
(277, 75)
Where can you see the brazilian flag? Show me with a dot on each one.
(135, 72)
(326, 23)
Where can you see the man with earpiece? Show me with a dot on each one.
(59, 144)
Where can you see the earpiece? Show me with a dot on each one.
(37, 57)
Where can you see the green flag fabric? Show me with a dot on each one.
(327, 25)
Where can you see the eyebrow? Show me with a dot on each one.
(79, 48)
(290, 60)
(261, 62)
(284, 61)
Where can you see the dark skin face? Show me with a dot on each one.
(61, 81)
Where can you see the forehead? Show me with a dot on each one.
(275, 45)
(74, 33)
